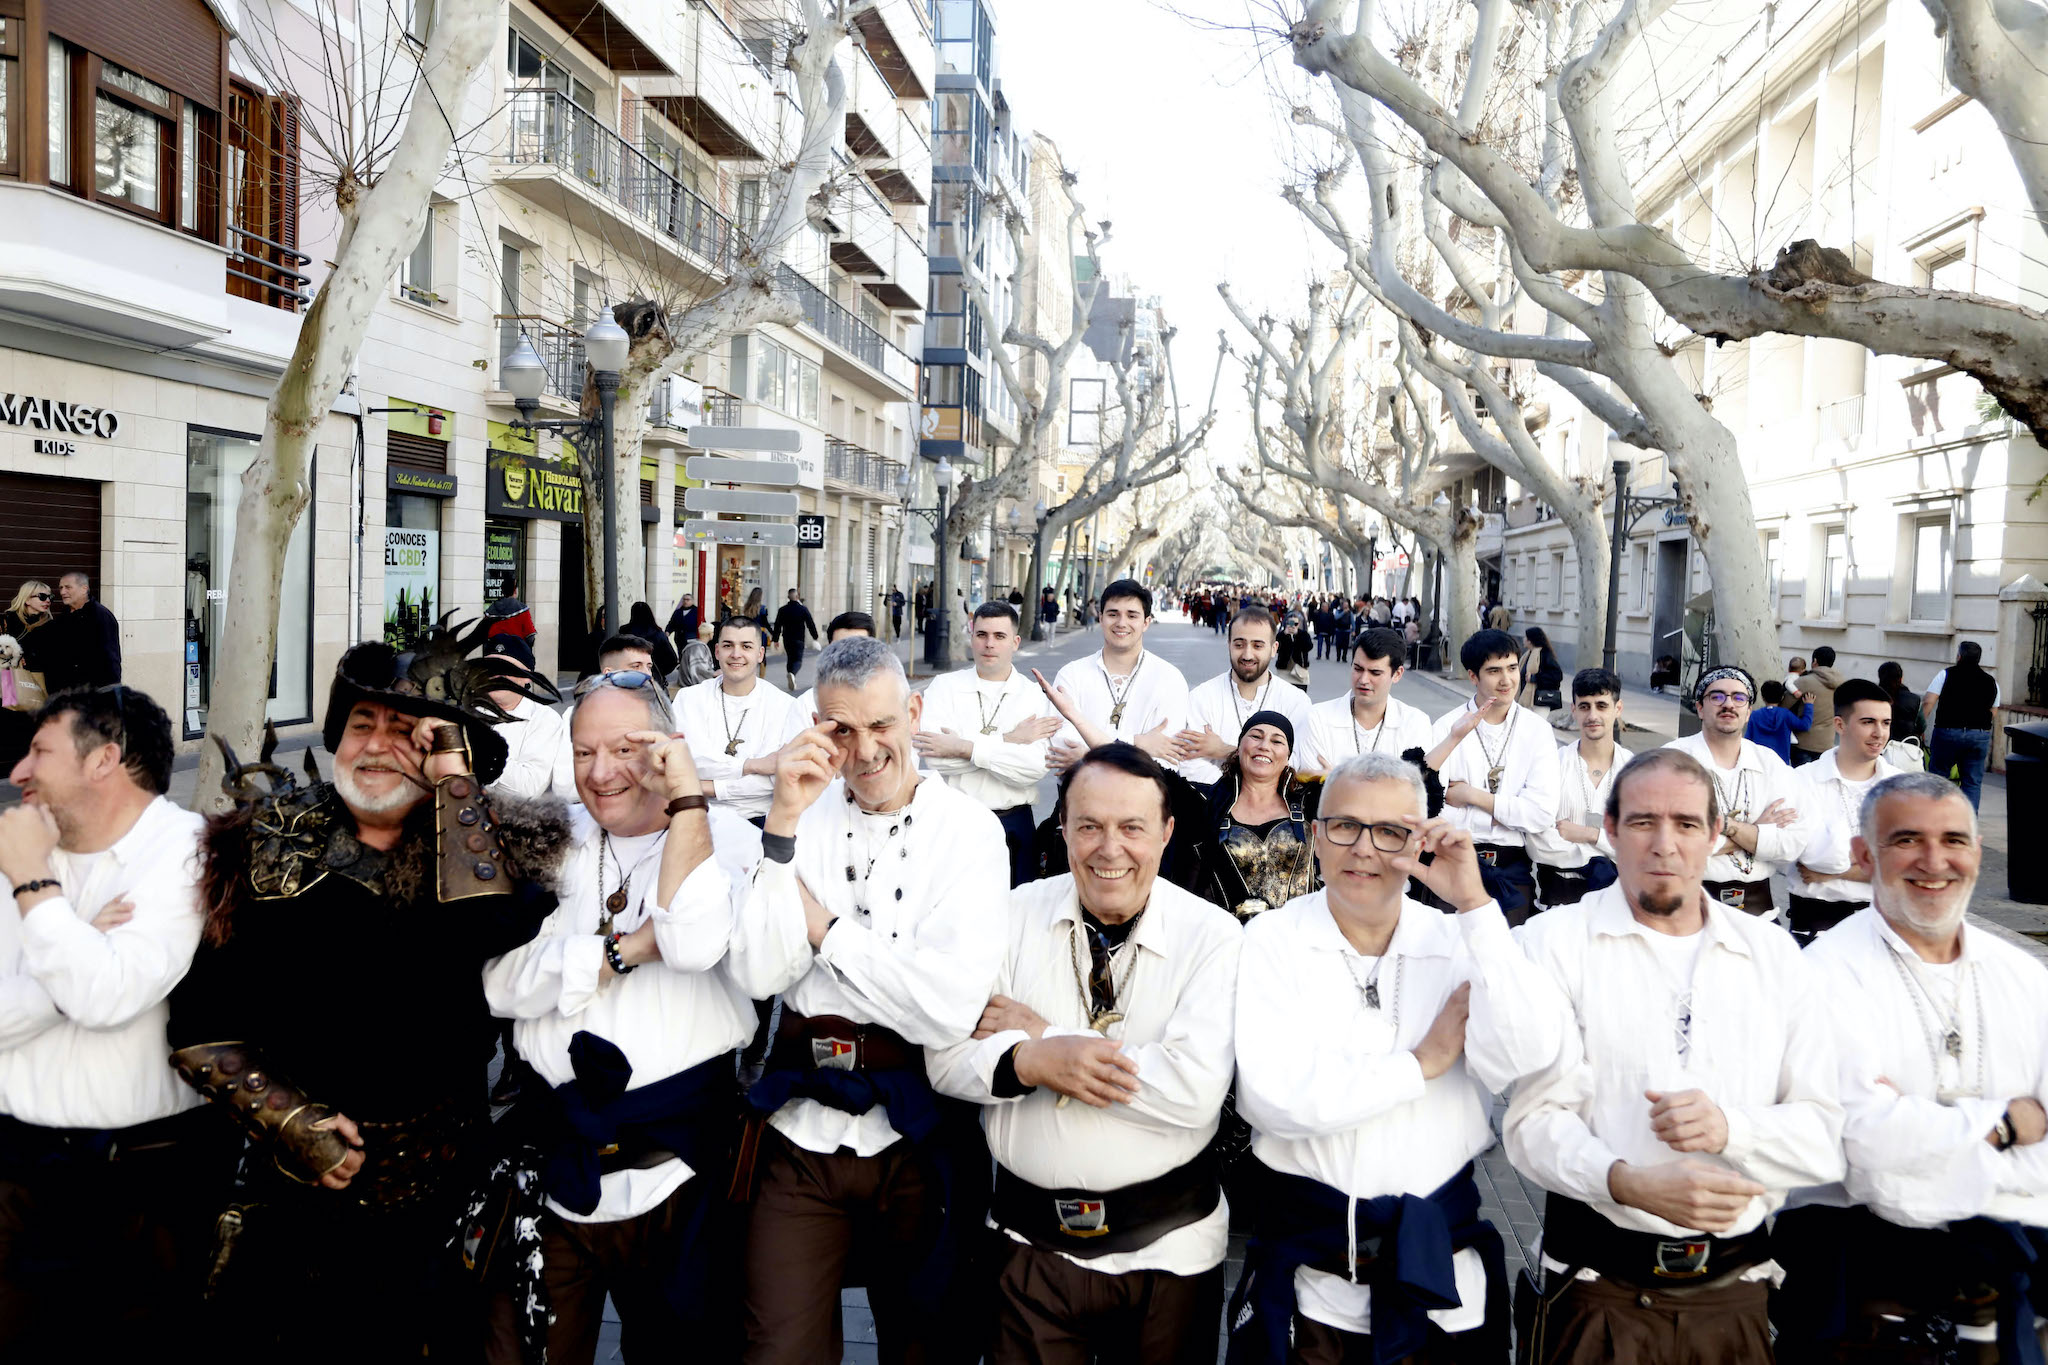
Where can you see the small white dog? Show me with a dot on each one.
(10, 652)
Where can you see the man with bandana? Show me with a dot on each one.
(1761, 834)
(1929, 1248)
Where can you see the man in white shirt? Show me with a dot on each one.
(1696, 1088)
(737, 721)
(1218, 708)
(619, 1005)
(1942, 1033)
(1499, 767)
(1124, 692)
(1115, 1218)
(1761, 833)
(1369, 718)
(1352, 1004)
(878, 913)
(1826, 884)
(536, 736)
(1573, 858)
(110, 1172)
(984, 731)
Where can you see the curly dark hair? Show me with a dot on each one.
(121, 716)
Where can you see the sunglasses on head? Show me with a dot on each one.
(625, 679)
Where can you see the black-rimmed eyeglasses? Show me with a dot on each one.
(1386, 838)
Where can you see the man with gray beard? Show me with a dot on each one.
(1922, 1251)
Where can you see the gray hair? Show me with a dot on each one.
(1933, 786)
(858, 660)
(660, 714)
(1379, 767)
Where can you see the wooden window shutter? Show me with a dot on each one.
(284, 175)
(407, 451)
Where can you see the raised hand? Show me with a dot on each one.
(1454, 874)
(666, 766)
(803, 769)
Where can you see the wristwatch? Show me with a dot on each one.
(2004, 1137)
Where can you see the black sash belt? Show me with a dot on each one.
(1578, 1236)
(1091, 1223)
(1755, 897)
(1501, 855)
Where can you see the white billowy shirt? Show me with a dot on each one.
(1218, 705)
(998, 774)
(1334, 734)
(1916, 1148)
(1331, 1086)
(1758, 778)
(1523, 747)
(535, 738)
(1176, 1002)
(1583, 801)
(82, 1013)
(1153, 693)
(1733, 1015)
(918, 941)
(1831, 809)
(666, 1016)
(753, 726)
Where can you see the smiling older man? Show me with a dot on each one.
(877, 912)
(336, 1003)
(1942, 1034)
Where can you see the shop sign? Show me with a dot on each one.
(810, 531)
(412, 575)
(501, 562)
(48, 414)
(519, 487)
(425, 482)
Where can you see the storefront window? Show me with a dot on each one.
(213, 486)
(412, 567)
(504, 553)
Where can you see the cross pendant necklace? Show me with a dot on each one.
(1119, 699)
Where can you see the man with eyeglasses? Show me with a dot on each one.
(1218, 708)
(1369, 718)
(1695, 1090)
(1928, 1244)
(618, 1003)
(985, 730)
(1367, 1090)
(737, 721)
(877, 913)
(109, 1167)
(1116, 992)
(1754, 790)
(336, 1004)
(1500, 772)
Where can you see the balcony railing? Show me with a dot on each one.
(560, 350)
(268, 270)
(549, 129)
(842, 329)
(849, 463)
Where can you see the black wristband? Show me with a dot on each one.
(695, 801)
(780, 848)
(611, 955)
(2005, 1136)
(40, 883)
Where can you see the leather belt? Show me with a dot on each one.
(819, 1041)
(1501, 855)
(1576, 1235)
(1090, 1223)
(31, 1144)
(1755, 897)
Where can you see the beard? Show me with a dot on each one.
(1895, 900)
(1248, 672)
(1663, 905)
(401, 797)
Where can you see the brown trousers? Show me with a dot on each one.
(628, 1261)
(1601, 1321)
(815, 1216)
(1053, 1312)
(1318, 1343)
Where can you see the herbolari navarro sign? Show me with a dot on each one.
(521, 486)
(47, 414)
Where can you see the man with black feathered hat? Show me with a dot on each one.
(336, 1002)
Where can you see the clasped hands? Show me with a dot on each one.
(1091, 1069)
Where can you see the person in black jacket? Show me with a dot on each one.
(82, 647)
(640, 621)
(790, 624)
(1545, 676)
(683, 623)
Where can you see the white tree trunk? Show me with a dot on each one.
(380, 224)
(1590, 544)
(1461, 591)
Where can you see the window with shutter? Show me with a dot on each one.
(262, 173)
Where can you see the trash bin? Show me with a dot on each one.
(2026, 786)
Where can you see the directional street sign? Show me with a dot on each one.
(745, 500)
(739, 533)
(712, 469)
(746, 438)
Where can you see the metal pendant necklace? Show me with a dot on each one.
(1358, 745)
(615, 903)
(732, 732)
(1369, 989)
(1119, 697)
(1734, 807)
(1944, 1034)
(1101, 1019)
(1497, 764)
(988, 716)
(1236, 707)
(859, 880)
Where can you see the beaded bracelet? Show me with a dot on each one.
(613, 956)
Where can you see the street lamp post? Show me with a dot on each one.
(936, 629)
(1038, 572)
(1629, 508)
(525, 376)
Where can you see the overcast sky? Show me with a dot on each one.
(1178, 132)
